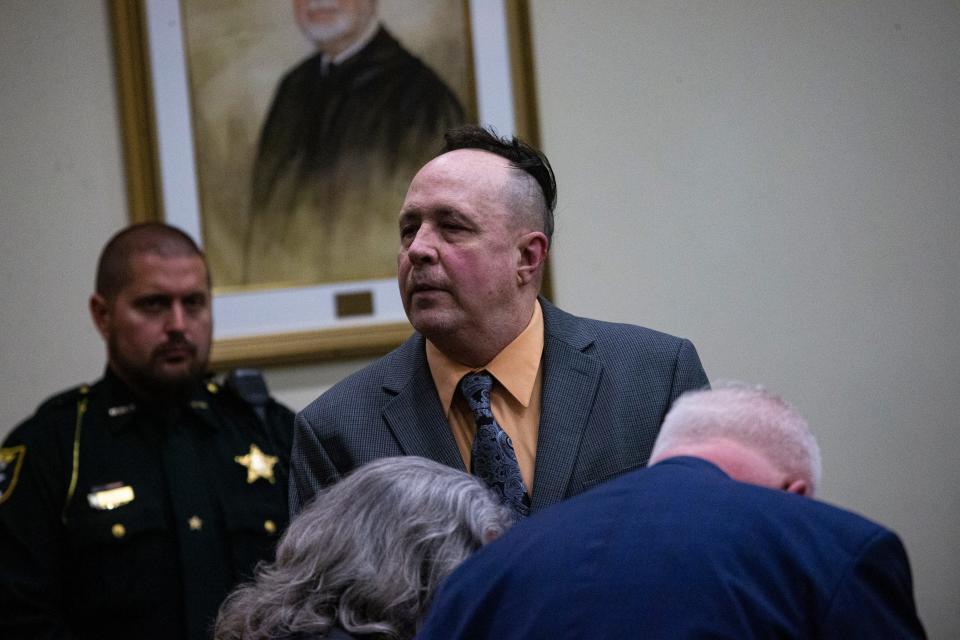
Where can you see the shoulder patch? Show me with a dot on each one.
(11, 461)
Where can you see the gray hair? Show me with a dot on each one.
(367, 553)
(749, 415)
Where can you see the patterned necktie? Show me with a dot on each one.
(493, 458)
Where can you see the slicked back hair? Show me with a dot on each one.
(748, 415)
(367, 553)
(521, 156)
(113, 268)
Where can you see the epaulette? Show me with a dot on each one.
(65, 399)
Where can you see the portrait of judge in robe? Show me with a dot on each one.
(309, 191)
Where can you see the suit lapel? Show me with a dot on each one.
(414, 415)
(570, 380)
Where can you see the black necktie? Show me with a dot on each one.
(493, 459)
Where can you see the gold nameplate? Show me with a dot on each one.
(110, 497)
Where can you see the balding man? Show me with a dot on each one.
(719, 538)
(131, 507)
(539, 403)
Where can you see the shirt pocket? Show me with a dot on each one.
(115, 527)
(253, 527)
(120, 561)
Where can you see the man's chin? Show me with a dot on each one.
(173, 378)
(432, 322)
(176, 378)
(181, 365)
(160, 378)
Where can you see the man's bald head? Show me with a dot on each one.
(113, 269)
(533, 192)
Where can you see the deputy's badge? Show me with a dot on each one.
(11, 461)
(258, 464)
(110, 496)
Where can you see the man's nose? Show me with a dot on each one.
(176, 318)
(423, 248)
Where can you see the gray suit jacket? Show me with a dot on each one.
(606, 389)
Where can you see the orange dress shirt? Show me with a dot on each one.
(515, 398)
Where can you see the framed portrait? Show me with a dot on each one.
(282, 134)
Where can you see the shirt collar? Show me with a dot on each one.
(354, 48)
(515, 367)
(124, 408)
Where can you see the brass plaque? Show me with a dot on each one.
(354, 304)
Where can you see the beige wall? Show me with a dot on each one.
(776, 180)
(61, 194)
(780, 182)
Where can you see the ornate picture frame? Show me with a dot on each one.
(265, 325)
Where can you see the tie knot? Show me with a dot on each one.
(476, 387)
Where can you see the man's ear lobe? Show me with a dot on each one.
(100, 313)
(533, 249)
(799, 487)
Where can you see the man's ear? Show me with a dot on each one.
(100, 312)
(799, 487)
(489, 535)
(533, 247)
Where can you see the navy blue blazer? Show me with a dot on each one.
(606, 389)
(678, 551)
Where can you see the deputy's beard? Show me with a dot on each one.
(151, 381)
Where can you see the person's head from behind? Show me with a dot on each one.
(152, 308)
(334, 25)
(475, 229)
(753, 435)
(367, 553)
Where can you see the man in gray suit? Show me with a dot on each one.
(573, 401)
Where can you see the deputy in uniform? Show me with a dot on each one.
(130, 508)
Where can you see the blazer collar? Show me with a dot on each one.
(414, 414)
(701, 465)
(563, 326)
(571, 376)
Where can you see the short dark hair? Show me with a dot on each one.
(113, 269)
(521, 156)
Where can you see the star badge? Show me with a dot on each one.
(258, 464)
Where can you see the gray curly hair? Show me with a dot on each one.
(367, 553)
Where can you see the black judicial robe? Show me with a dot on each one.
(336, 154)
